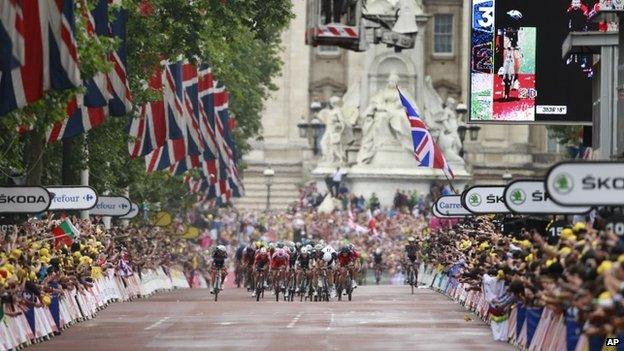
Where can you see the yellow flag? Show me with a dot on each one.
(162, 219)
(191, 233)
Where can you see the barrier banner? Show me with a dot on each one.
(533, 315)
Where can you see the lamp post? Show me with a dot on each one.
(313, 129)
(507, 177)
(472, 130)
(268, 178)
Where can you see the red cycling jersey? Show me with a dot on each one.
(278, 262)
(261, 259)
(345, 260)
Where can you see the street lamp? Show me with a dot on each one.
(314, 129)
(507, 177)
(268, 179)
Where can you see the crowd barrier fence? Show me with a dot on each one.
(528, 328)
(72, 306)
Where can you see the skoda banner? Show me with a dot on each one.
(484, 199)
(450, 206)
(530, 197)
(72, 197)
(114, 206)
(24, 199)
(586, 183)
(133, 212)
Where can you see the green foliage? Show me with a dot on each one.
(239, 39)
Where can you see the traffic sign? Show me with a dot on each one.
(484, 199)
(451, 206)
(114, 206)
(586, 183)
(72, 197)
(133, 212)
(530, 197)
(24, 199)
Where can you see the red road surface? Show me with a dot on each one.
(378, 318)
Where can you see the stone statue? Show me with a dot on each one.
(337, 135)
(384, 123)
(441, 119)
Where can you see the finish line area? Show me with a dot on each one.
(379, 317)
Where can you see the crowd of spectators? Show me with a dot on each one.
(36, 266)
(580, 273)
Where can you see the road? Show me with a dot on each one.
(378, 318)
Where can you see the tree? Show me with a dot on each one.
(229, 35)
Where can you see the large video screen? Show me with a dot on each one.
(517, 74)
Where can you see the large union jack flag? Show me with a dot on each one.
(426, 151)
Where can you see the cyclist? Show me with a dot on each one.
(377, 264)
(348, 258)
(219, 254)
(279, 265)
(248, 261)
(304, 260)
(261, 263)
(411, 251)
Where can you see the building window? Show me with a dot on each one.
(328, 50)
(443, 34)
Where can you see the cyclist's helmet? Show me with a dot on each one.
(259, 244)
(327, 257)
(378, 250)
(279, 245)
(411, 240)
(304, 251)
(281, 253)
(221, 248)
(318, 247)
(298, 245)
(345, 250)
(263, 250)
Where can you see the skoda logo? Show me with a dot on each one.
(518, 197)
(563, 183)
(474, 199)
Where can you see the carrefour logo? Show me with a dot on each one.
(518, 197)
(563, 183)
(474, 200)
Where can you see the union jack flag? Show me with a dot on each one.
(159, 121)
(106, 92)
(11, 35)
(49, 52)
(426, 151)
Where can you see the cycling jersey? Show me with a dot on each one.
(344, 260)
(218, 258)
(293, 259)
(304, 262)
(377, 258)
(412, 251)
(260, 260)
(248, 255)
(278, 262)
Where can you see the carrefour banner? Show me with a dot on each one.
(449, 206)
(517, 74)
(531, 197)
(72, 197)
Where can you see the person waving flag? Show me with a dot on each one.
(426, 151)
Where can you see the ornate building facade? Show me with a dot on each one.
(312, 75)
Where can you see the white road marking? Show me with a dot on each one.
(294, 321)
(156, 324)
(331, 322)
